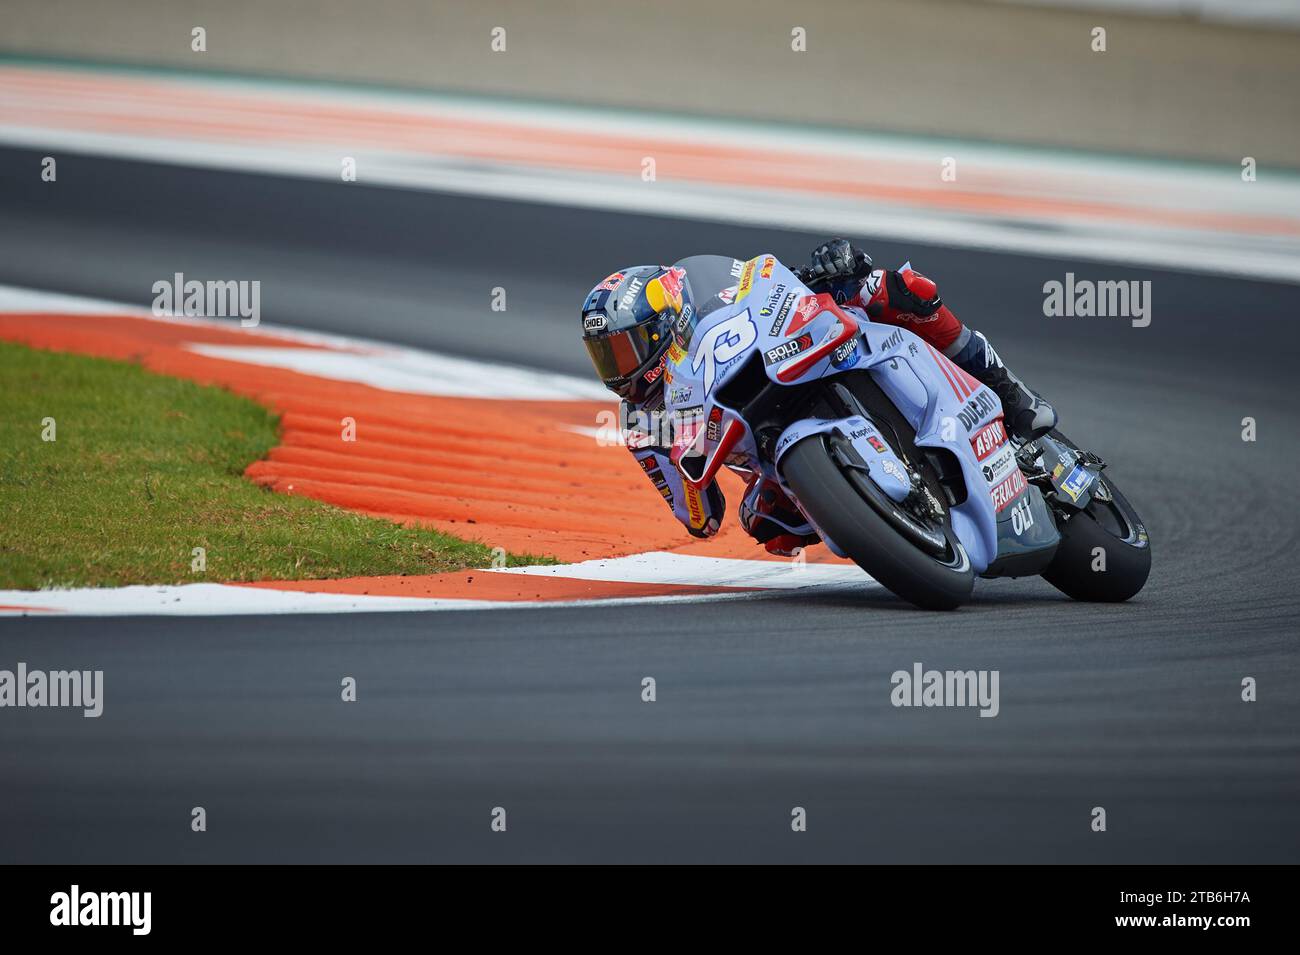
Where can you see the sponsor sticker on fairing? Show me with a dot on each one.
(769, 263)
(773, 297)
(988, 439)
(1075, 483)
(846, 356)
(779, 322)
(1006, 492)
(805, 312)
(714, 430)
(1000, 465)
(746, 279)
(787, 349)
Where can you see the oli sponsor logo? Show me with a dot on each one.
(1022, 516)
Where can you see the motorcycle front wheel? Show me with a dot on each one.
(871, 530)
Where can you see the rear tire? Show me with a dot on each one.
(858, 529)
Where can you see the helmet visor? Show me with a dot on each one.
(618, 356)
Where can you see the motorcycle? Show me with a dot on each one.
(898, 458)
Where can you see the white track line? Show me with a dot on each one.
(659, 567)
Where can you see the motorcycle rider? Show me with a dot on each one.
(628, 325)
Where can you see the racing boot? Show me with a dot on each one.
(1027, 416)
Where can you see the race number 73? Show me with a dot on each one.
(726, 340)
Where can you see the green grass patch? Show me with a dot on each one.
(144, 468)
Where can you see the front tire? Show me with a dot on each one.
(857, 528)
(1108, 531)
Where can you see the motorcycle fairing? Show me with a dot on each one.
(772, 313)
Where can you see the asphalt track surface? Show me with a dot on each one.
(763, 704)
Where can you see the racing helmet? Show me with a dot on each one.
(628, 324)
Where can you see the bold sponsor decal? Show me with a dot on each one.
(736, 267)
(676, 353)
(714, 430)
(679, 395)
(988, 439)
(694, 506)
(611, 282)
(787, 349)
(728, 295)
(594, 322)
(1006, 492)
(877, 444)
(977, 409)
(768, 264)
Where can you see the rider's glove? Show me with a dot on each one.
(840, 265)
(904, 293)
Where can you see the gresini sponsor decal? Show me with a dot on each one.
(1006, 492)
(988, 439)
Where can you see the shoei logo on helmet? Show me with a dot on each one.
(594, 322)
